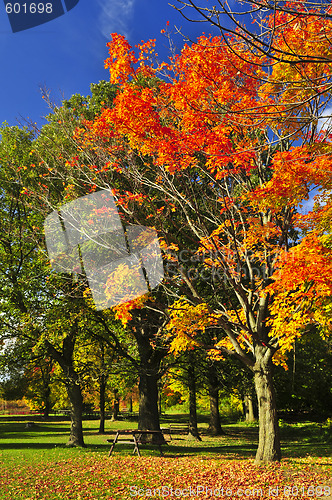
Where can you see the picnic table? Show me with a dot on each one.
(179, 428)
(138, 437)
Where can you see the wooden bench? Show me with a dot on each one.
(182, 428)
(138, 438)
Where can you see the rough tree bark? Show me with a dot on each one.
(214, 424)
(45, 369)
(72, 384)
(193, 430)
(76, 409)
(248, 406)
(116, 405)
(47, 401)
(269, 438)
(150, 357)
(130, 401)
(102, 390)
(148, 417)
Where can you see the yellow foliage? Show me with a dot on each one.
(186, 321)
(125, 282)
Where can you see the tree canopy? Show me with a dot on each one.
(219, 153)
(215, 149)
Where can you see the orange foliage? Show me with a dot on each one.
(211, 119)
(203, 81)
(121, 60)
(303, 290)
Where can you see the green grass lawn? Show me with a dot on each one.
(35, 464)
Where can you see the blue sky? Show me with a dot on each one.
(66, 54)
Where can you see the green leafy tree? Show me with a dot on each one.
(305, 387)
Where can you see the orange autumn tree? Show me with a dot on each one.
(301, 86)
(271, 20)
(220, 156)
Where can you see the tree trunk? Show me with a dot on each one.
(150, 359)
(130, 409)
(193, 430)
(116, 406)
(148, 325)
(269, 439)
(159, 402)
(46, 370)
(102, 389)
(47, 407)
(249, 408)
(214, 424)
(76, 410)
(148, 417)
(72, 383)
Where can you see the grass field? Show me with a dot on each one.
(35, 464)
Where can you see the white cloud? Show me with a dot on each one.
(115, 16)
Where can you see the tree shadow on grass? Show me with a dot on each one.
(31, 446)
(299, 450)
(239, 442)
(232, 452)
(171, 451)
(20, 431)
